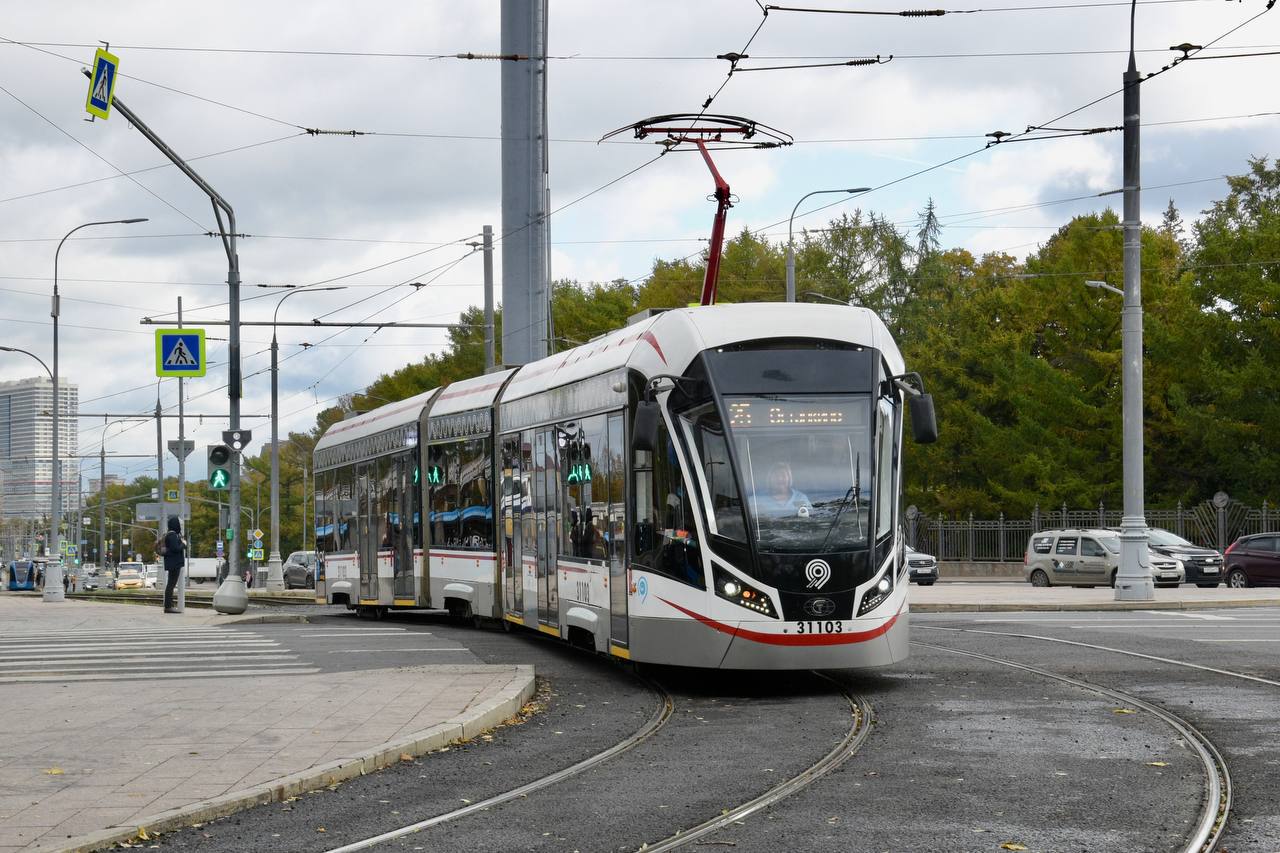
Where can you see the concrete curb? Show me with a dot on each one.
(938, 607)
(488, 714)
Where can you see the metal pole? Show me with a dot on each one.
(1133, 580)
(102, 503)
(180, 602)
(489, 355)
(231, 597)
(275, 571)
(161, 494)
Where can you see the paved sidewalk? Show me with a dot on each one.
(959, 596)
(83, 763)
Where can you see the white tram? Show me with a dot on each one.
(709, 487)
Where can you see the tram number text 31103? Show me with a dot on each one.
(835, 627)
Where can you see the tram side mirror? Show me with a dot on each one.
(924, 423)
(644, 430)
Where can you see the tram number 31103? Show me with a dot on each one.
(820, 627)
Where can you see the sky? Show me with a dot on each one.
(233, 86)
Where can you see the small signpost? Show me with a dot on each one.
(180, 352)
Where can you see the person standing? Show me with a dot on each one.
(174, 550)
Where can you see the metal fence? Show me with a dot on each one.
(1212, 524)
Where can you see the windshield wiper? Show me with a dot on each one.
(855, 492)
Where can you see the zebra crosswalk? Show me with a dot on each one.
(143, 653)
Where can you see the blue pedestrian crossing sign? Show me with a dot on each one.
(180, 352)
(102, 84)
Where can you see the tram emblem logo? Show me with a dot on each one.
(819, 607)
(817, 572)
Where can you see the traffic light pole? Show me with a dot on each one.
(181, 601)
(231, 597)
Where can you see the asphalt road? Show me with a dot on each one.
(964, 754)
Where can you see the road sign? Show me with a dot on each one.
(257, 534)
(180, 352)
(238, 439)
(171, 494)
(182, 450)
(161, 511)
(219, 456)
(71, 551)
(230, 533)
(256, 554)
(217, 548)
(124, 541)
(257, 543)
(102, 84)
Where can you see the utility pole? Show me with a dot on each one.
(102, 502)
(1133, 580)
(160, 490)
(181, 601)
(489, 355)
(231, 597)
(525, 289)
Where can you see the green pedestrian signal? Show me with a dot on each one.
(219, 456)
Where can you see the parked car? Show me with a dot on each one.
(922, 568)
(129, 576)
(151, 579)
(90, 582)
(1203, 566)
(300, 570)
(1087, 557)
(1254, 561)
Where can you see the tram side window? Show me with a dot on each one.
(346, 508)
(884, 469)
(387, 503)
(664, 538)
(584, 480)
(326, 532)
(461, 498)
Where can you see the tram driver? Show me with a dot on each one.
(780, 498)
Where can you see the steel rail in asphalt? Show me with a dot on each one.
(1217, 801)
(660, 716)
(1171, 661)
(848, 746)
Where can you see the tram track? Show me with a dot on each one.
(1210, 825)
(861, 712)
(661, 715)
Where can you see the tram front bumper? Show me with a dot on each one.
(873, 643)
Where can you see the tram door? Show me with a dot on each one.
(616, 455)
(510, 551)
(403, 526)
(366, 522)
(546, 499)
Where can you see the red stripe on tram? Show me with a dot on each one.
(788, 639)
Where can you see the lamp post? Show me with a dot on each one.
(52, 591)
(791, 255)
(53, 576)
(816, 295)
(275, 571)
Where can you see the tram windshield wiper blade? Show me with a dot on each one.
(855, 492)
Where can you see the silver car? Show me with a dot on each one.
(922, 568)
(1087, 557)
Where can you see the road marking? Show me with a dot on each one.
(6, 662)
(156, 667)
(1166, 613)
(134, 644)
(1235, 640)
(134, 676)
(383, 651)
(356, 633)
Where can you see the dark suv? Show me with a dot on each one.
(1254, 561)
(1203, 565)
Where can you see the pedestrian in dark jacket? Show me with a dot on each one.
(174, 550)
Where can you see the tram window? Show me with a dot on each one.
(386, 502)
(665, 539)
(461, 505)
(884, 469)
(705, 432)
(585, 488)
(617, 530)
(346, 508)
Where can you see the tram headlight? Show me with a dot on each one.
(730, 588)
(877, 594)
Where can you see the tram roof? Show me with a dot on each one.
(381, 419)
(478, 392)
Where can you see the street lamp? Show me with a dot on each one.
(275, 571)
(53, 575)
(1133, 579)
(49, 595)
(816, 295)
(791, 255)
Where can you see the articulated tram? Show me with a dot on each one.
(710, 487)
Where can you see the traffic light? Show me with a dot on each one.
(219, 456)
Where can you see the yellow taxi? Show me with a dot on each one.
(129, 576)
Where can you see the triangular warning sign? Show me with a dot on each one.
(100, 90)
(180, 356)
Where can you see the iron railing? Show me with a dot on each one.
(1212, 524)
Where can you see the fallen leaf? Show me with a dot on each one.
(142, 834)
(1012, 845)
(1157, 764)
(321, 829)
(404, 756)
(1123, 711)
(54, 771)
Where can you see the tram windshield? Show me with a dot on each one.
(804, 467)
